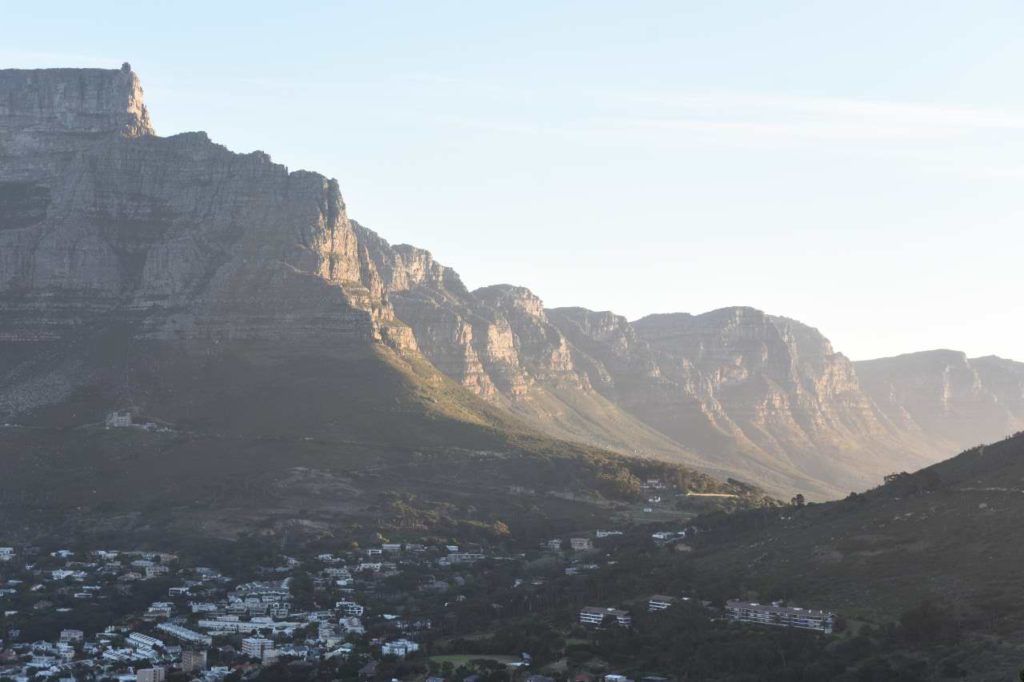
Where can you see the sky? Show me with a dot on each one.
(856, 166)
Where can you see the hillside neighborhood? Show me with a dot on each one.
(380, 612)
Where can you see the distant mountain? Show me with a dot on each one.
(219, 293)
(765, 394)
(734, 392)
(949, 399)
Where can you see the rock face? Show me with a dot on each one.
(104, 226)
(499, 343)
(61, 102)
(752, 392)
(176, 277)
(953, 401)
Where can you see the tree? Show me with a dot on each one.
(798, 501)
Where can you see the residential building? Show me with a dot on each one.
(255, 647)
(779, 615)
(350, 608)
(352, 625)
(581, 544)
(137, 640)
(399, 647)
(596, 615)
(184, 634)
(193, 660)
(156, 570)
(119, 419)
(154, 674)
(461, 558)
(660, 602)
(71, 636)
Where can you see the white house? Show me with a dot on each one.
(399, 647)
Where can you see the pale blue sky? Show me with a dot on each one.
(856, 165)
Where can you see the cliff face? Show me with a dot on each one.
(176, 277)
(779, 387)
(104, 225)
(735, 391)
(954, 400)
(58, 102)
(499, 343)
(754, 393)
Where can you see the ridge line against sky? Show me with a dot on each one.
(859, 175)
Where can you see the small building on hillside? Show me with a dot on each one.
(660, 602)
(581, 544)
(779, 615)
(255, 647)
(119, 419)
(596, 616)
(399, 647)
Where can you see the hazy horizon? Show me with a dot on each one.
(857, 171)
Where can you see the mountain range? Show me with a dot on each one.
(219, 293)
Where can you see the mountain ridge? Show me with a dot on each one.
(130, 264)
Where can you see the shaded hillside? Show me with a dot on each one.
(949, 534)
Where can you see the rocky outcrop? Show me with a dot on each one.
(498, 343)
(780, 384)
(952, 400)
(56, 102)
(167, 239)
(757, 394)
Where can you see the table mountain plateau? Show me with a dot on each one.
(219, 293)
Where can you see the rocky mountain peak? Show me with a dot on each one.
(510, 298)
(73, 101)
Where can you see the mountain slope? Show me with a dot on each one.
(781, 388)
(949, 534)
(233, 307)
(174, 278)
(755, 393)
(499, 343)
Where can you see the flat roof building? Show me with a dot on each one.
(782, 616)
(596, 615)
